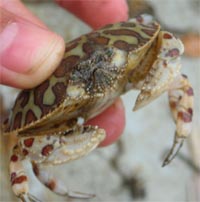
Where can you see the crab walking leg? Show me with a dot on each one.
(18, 177)
(181, 98)
(55, 185)
(60, 148)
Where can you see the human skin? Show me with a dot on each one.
(30, 52)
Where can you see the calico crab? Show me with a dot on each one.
(96, 69)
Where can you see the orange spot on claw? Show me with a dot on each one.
(173, 52)
(167, 36)
(185, 117)
(190, 92)
(14, 158)
(47, 149)
(29, 142)
(190, 111)
(19, 180)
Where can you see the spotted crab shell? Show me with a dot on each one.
(36, 107)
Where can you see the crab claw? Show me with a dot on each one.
(178, 143)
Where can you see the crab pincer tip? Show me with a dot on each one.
(165, 163)
(80, 195)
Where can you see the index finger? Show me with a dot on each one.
(97, 13)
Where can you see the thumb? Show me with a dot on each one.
(29, 53)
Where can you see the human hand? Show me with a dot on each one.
(29, 52)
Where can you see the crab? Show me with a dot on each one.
(98, 67)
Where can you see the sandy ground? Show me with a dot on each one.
(147, 136)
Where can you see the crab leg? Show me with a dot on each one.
(60, 148)
(181, 105)
(164, 76)
(63, 146)
(18, 177)
(56, 185)
(164, 70)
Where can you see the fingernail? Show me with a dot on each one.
(25, 47)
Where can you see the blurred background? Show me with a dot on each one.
(129, 170)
